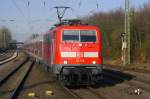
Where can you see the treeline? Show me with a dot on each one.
(112, 25)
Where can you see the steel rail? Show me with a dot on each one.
(17, 90)
(4, 79)
(96, 93)
(3, 61)
(5, 56)
(76, 96)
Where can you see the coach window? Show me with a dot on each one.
(70, 35)
(44, 38)
(88, 36)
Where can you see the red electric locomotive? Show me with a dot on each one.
(72, 51)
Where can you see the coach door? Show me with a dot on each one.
(53, 49)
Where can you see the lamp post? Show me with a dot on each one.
(127, 28)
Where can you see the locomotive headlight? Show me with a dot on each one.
(94, 62)
(65, 62)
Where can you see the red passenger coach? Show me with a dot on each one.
(72, 51)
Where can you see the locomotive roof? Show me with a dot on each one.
(87, 27)
(70, 23)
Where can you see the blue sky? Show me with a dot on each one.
(36, 17)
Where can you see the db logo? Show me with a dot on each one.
(80, 54)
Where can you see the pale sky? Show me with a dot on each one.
(37, 16)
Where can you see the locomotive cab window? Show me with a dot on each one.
(88, 36)
(79, 35)
(70, 35)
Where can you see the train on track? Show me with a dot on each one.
(71, 51)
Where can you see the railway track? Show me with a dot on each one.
(39, 84)
(6, 57)
(71, 92)
(129, 79)
(11, 84)
(50, 83)
(77, 93)
(84, 93)
(98, 94)
(113, 79)
(9, 74)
